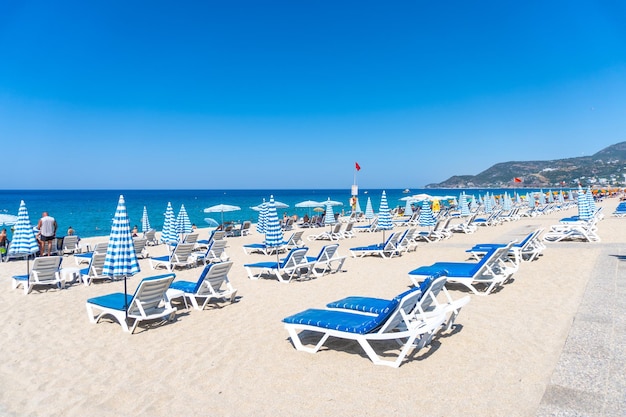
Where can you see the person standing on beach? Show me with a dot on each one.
(47, 232)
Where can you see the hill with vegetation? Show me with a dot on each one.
(605, 168)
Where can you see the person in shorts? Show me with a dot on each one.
(47, 233)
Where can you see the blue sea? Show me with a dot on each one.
(90, 212)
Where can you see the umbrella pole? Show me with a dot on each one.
(125, 299)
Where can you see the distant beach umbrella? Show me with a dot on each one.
(273, 231)
(24, 242)
(506, 202)
(426, 217)
(278, 205)
(408, 210)
(309, 204)
(384, 215)
(542, 198)
(221, 208)
(211, 222)
(260, 226)
(530, 200)
(464, 206)
(183, 224)
(561, 197)
(584, 210)
(436, 205)
(358, 206)
(518, 198)
(120, 259)
(329, 216)
(168, 234)
(8, 219)
(488, 204)
(369, 210)
(591, 201)
(550, 196)
(145, 222)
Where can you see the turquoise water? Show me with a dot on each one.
(90, 212)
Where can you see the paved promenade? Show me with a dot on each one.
(590, 377)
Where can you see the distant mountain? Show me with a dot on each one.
(604, 168)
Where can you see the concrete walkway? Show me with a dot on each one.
(590, 377)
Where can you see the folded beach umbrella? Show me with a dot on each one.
(506, 202)
(24, 242)
(561, 197)
(542, 198)
(168, 234)
(584, 210)
(145, 222)
(591, 201)
(260, 226)
(384, 216)
(408, 210)
(358, 206)
(426, 217)
(530, 200)
(273, 231)
(550, 197)
(183, 224)
(488, 203)
(120, 259)
(369, 210)
(465, 211)
(329, 216)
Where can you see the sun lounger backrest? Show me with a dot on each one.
(45, 268)
(96, 264)
(149, 294)
(218, 274)
(294, 257)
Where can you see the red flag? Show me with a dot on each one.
(517, 179)
(357, 166)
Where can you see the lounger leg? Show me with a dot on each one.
(295, 339)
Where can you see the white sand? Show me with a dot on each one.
(237, 359)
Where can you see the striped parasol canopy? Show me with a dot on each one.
(273, 231)
(145, 222)
(369, 210)
(384, 215)
(329, 216)
(426, 217)
(260, 226)
(506, 202)
(488, 203)
(465, 210)
(120, 259)
(168, 234)
(584, 210)
(24, 242)
(183, 224)
(591, 201)
(358, 206)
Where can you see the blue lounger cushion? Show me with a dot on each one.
(268, 265)
(113, 301)
(342, 321)
(376, 305)
(186, 286)
(460, 269)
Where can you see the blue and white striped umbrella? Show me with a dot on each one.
(168, 234)
(530, 200)
(260, 226)
(561, 197)
(465, 210)
(488, 203)
(183, 224)
(384, 215)
(591, 201)
(408, 210)
(550, 196)
(518, 198)
(506, 202)
(369, 210)
(145, 222)
(120, 259)
(24, 242)
(584, 210)
(426, 217)
(273, 231)
(329, 216)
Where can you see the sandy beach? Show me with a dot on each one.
(237, 360)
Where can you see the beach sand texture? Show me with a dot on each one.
(237, 360)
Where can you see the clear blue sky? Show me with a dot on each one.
(290, 94)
